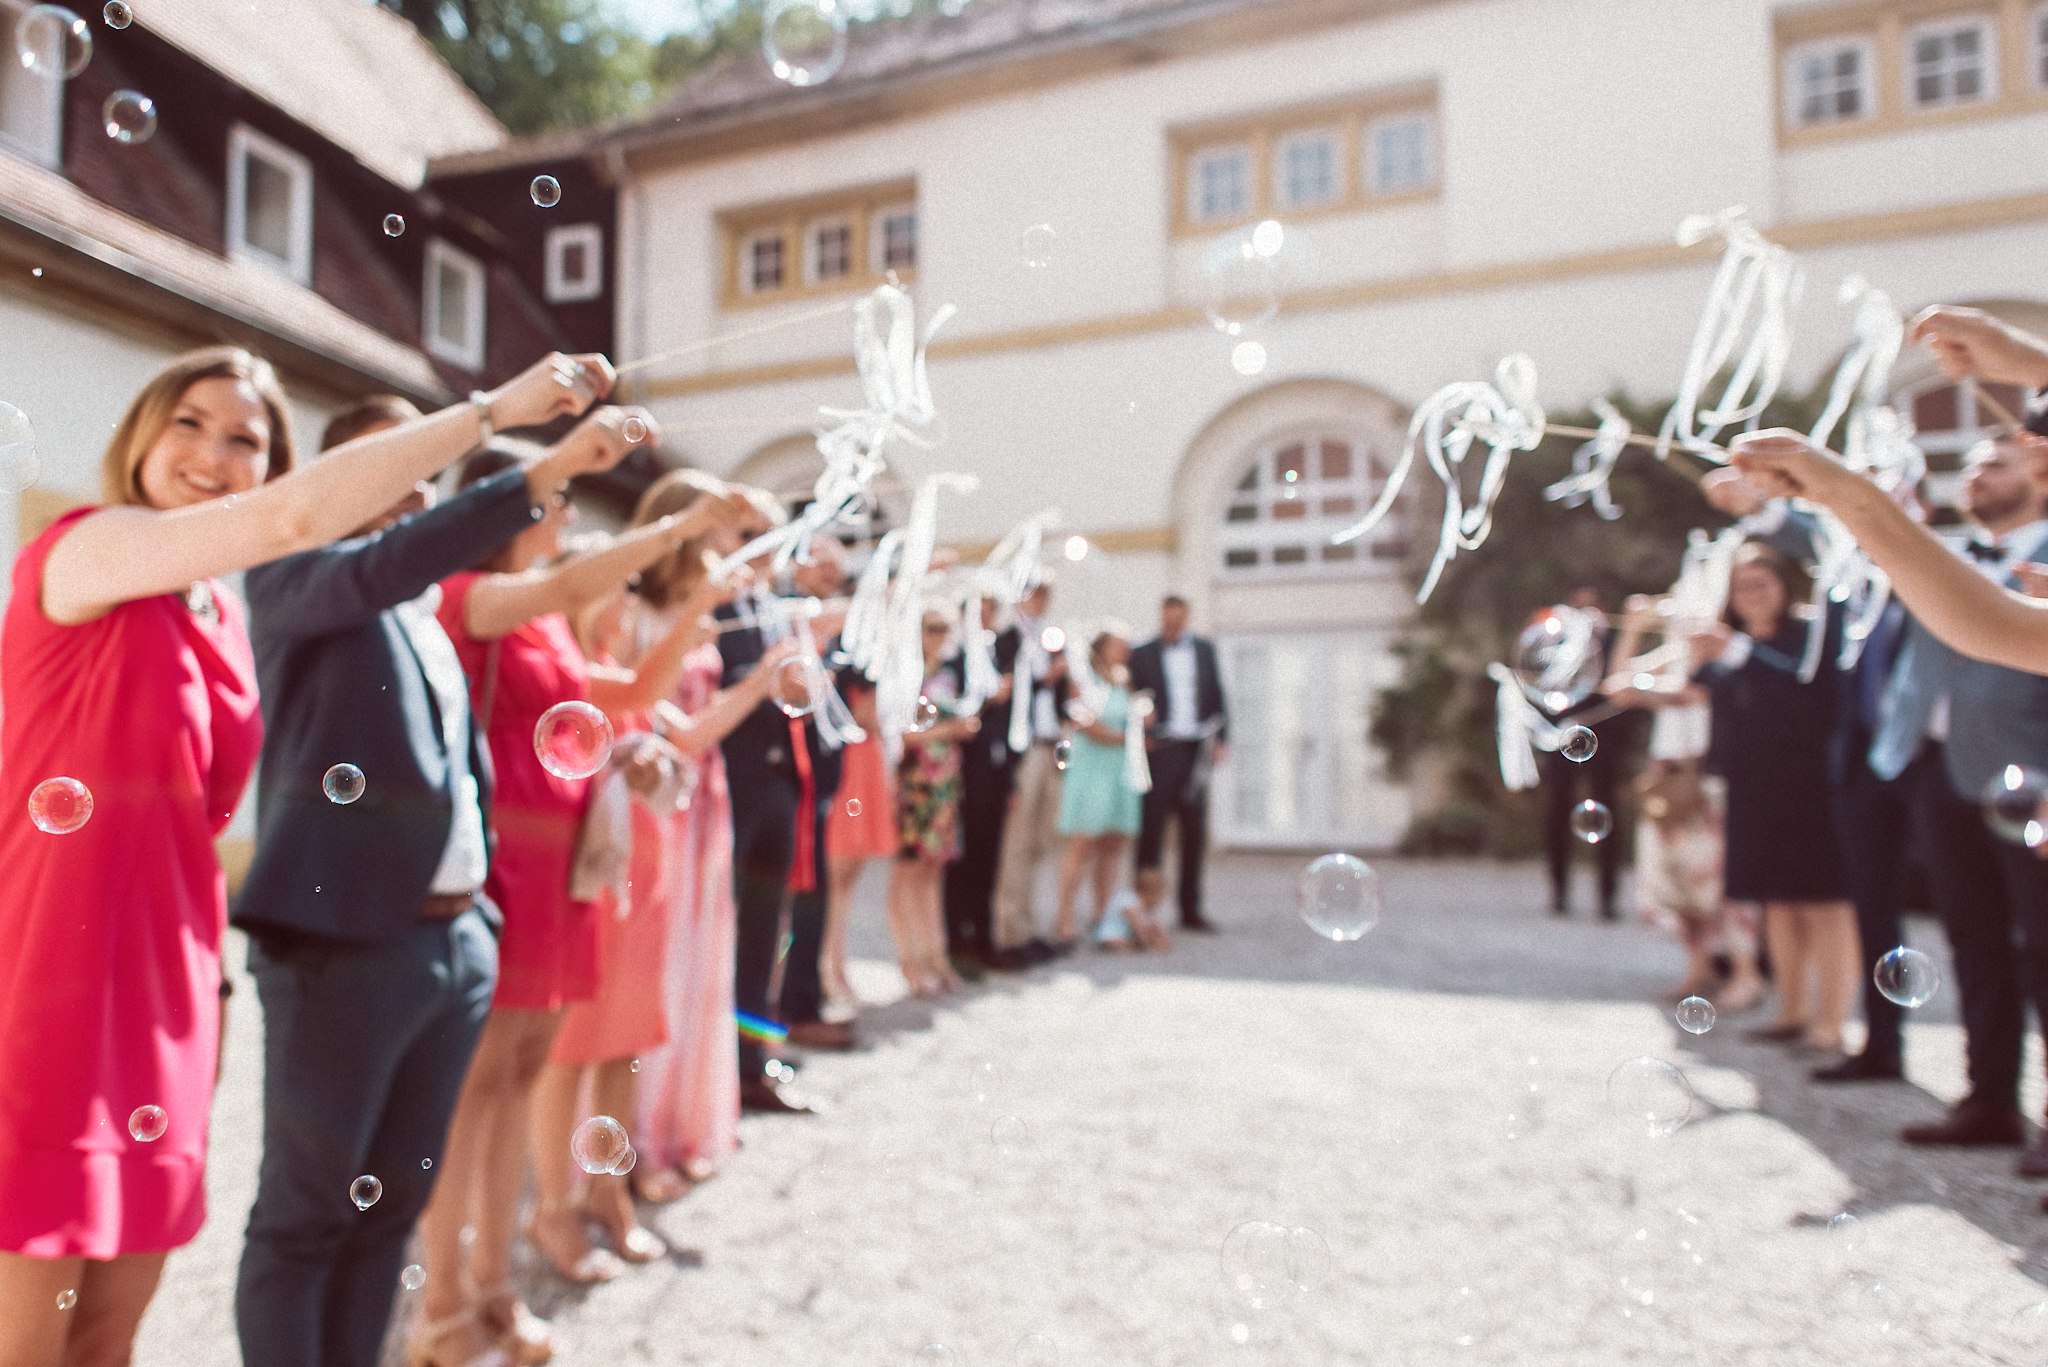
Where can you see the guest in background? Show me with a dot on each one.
(862, 828)
(1099, 806)
(372, 945)
(1772, 737)
(1190, 736)
(986, 776)
(1031, 828)
(928, 815)
(1598, 778)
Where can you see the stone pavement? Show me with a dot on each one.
(1062, 1155)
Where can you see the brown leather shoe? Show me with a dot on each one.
(823, 1035)
(1971, 1125)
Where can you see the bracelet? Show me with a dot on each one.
(485, 429)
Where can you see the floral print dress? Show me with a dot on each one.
(928, 785)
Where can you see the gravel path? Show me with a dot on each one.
(1062, 1155)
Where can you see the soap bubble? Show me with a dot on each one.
(146, 1124)
(1052, 640)
(799, 686)
(804, 40)
(1696, 1015)
(52, 41)
(1557, 658)
(2030, 1326)
(983, 1079)
(573, 740)
(67, 1298)
(2016, 805)
(627, 1161)
(394, 225)
(59, 806)
(599, 1145)
(343, 784)
(1906, 976)
(1578, 744)
(1592, 822)
(19, 463)
(413, 1278)
(365, 1191)
(1242, 277)
(1040, 242)
(1662, 1253)
(1648, 1096)
(853, 807)
(1037, 1350)
(1340, 897)
(546, 191)
(129, 117)
(1062, 754)
(117, 14)
(1876, 1306)
(1847, 1234)
(1009, 1134)
(1267, 1264)
(634, 430)
(1248, 358)
(925, 715)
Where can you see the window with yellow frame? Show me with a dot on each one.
(819, 245)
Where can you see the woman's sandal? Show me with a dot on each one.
(661, 1187)
(590, 1267)
(525, 1335)
(636, 1243)
(423, 1345)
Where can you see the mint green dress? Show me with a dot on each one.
(1096, 798)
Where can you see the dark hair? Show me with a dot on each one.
(1789, 573)
(495, 456)
(376, 412)
(1173, 600)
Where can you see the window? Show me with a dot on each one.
(270, 204)
(1400, 153)
(1298, 493)
(31, 104)
(894, 235)
(1950, 63)
(828, 251)
(1306, 171)
(764, 262)
(1828, 82)
(1219, 184)
(2040, 62)
(454, 326)
(575, 263)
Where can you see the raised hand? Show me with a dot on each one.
(1971, 342)
(552, 386)
(1783, 463)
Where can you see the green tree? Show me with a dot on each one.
(540, 64)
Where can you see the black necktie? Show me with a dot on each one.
(1984, 552)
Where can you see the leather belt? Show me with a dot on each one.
(446, 906)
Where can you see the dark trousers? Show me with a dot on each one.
(1984, 889)
(1177, 797)
(970, 880)
(365, 1049)
(764, 842)
(1876, 821)
(1563, 783)
(802, 991)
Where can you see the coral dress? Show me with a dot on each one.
(690, 1087)
(110, 975)
(547, 955)
(862, 822)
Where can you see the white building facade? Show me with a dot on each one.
(1456, 180)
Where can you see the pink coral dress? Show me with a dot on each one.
(110, 977)
(690, 1087)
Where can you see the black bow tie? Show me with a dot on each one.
(1984, 551)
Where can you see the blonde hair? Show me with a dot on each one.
(671, 578)
(149, 413)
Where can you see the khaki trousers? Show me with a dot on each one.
(1029, 836)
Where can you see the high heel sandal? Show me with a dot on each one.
(520, 1332)
(636, 1243)
(661, 1187)
(592, 1266)
(423, 1344)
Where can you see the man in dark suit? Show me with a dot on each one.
(1190, 733)
(1562, 777)
(987, 763)
(372, 944)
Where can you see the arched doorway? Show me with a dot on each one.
(1306, 629)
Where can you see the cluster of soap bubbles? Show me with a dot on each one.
(1340, 897)
(573, 740)
(1267, 1264)
(600, 1146)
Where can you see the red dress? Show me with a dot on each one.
(547, 956)
(110, 976)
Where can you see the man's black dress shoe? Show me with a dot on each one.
(1200, 925)
(1861, 1068)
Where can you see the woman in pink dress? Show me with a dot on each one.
(130, 727)
(689, 1104)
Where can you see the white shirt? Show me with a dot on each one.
(465, 859)
(1178, 662)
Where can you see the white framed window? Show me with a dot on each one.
(1952, 62)
(892, 239)
(270, 203)
(575, 263)
(764, 261)
(828, 251)
(454, 312)
(1299, 491)
(31, 103)
(1219, 183)
(1306, 170)
(1829, 81)
(2038, 36)
(1400, 153)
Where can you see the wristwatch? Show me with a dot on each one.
(485, 429)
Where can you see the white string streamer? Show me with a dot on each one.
(1749, 307)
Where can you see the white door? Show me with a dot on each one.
(1303, 771)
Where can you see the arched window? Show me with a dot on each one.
(1301, 490)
